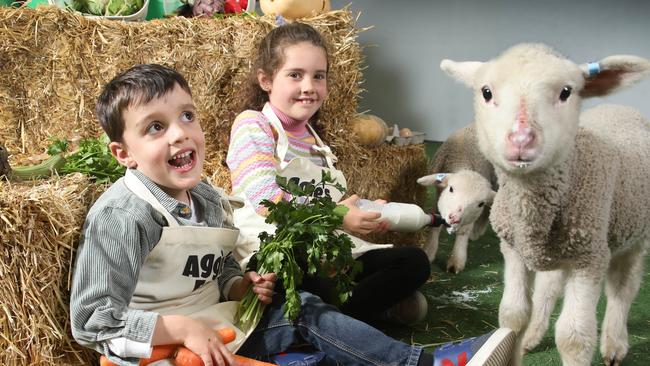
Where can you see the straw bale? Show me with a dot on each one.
(54, 65)
(39, 228)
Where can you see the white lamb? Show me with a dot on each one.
(464, 180)
(573, 205)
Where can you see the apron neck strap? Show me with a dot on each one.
(139, 189)
(282, 145)
(323, 149)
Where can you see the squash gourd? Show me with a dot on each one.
(369, 129)
(294, 9)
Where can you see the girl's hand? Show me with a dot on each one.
(207, 344)
(263, 285)
(383, 225)
(359, 221)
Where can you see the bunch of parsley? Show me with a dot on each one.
(305, 233)
(93, 158)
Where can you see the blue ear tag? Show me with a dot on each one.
(593, 68)
(279, 20)
(440, 176)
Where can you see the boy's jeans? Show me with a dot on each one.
(343, 339)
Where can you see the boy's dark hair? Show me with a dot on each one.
(136, 86)
(270, 56)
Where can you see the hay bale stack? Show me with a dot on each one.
(39, 229)
(54, 65)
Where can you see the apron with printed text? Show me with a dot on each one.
(298, 169)
(179, 275)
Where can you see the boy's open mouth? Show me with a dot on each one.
(182, 160)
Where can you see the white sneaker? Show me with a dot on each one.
(410, 310)
(491, 349)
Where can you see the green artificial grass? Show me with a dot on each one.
(466, 304)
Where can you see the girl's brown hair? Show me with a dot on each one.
(270, 57)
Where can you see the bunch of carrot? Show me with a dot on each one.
(184, 357)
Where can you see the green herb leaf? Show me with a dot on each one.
(305, 233)
(93, 158)
(57, 146)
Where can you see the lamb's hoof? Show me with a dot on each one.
(531, 339)
(614, 349)
(454, 268)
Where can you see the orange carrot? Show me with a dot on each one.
(159, 353)
(245, 361)
(227, 335)
(103, 361)
(185, 357)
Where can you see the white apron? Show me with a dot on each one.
(301, 169)
(177, 275)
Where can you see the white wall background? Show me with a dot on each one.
(404, 83)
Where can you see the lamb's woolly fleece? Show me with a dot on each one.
(600, 194)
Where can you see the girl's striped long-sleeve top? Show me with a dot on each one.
(252, 156)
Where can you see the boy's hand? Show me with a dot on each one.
(362, 222)
(207, 344)
(263, 285)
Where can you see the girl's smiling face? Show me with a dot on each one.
(164, 140)
(299, 87)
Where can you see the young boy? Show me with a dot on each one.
(155, 266)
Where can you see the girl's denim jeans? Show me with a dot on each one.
(343, 339)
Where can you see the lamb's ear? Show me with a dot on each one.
(429, 180)
(433, 179)
(461, 71)
(613, 73)
(442, 179)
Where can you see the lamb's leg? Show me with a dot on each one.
(575, 330)
(621, 286)
(431, 246)
(514, 310)
(458, 257)
(548, 287)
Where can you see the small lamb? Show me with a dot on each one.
(573, 206)
(465, 183)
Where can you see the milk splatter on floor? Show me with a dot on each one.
(460, 299)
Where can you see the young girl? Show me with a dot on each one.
(274, 136)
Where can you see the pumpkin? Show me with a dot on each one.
(369, 129)
(405, 132)
(294, 9)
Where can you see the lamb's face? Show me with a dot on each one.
(464, 196)
(527, 109)
(527, 106)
